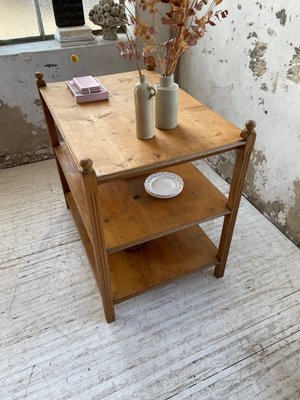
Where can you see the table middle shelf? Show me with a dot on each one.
(131, 216)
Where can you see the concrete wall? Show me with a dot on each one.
(23, 134)
(248, 67)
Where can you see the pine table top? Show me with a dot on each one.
(104, 131)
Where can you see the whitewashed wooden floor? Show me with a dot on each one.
(198, 338)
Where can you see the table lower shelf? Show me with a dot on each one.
(156, 262)
(160, 260)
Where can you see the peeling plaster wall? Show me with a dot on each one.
(23, 134)
(248, 67)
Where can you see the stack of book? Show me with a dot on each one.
(74, 36)
(87, 88)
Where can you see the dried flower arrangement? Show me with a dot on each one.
(186, 24)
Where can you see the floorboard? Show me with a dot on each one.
(198, 338)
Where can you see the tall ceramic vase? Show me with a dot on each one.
(166, 103)
(143, 99)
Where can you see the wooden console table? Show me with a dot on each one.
(102, 167)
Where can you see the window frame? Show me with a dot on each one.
(40, 37)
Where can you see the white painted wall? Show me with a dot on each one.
(248, 67)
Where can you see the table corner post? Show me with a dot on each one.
(39, 79)
(98, 240)
(41, 83)
(249, 135)
(235, 194)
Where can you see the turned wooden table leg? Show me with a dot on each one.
(40, 82)
(236, 190)
(101, 260)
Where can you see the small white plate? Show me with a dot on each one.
(163, 185)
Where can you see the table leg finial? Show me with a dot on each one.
(40, 79)
(249, 129)
(86, 165)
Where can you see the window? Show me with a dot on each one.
(26, 20)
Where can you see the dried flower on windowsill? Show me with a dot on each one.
(187, 20)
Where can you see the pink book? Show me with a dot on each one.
(87, 84)
(83, 98)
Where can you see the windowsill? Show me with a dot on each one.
(54, 45)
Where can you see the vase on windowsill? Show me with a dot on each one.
(109, 33)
